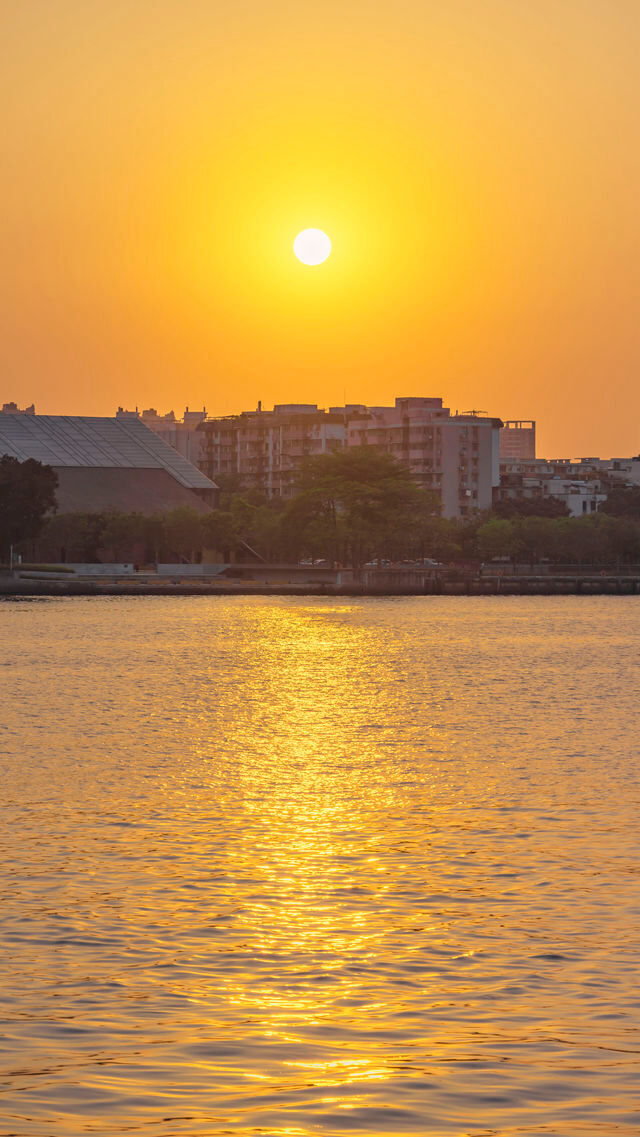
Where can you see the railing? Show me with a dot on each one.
(547, 569)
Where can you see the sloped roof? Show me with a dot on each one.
(99, 443)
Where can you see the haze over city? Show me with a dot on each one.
(475, 168)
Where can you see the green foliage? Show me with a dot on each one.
(531, 507)
(537, 537)
(27, 494)
(351, 507)
(355, 505)
(183, 533)
(594, 540)
(72, 536)
(230, 486)
(622, 501)
(120, 532)
(498, 538)
(219, 531)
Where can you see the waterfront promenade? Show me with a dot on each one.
(229, 580)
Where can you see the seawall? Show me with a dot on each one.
(292, 581)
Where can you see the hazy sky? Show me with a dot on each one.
(475, 163)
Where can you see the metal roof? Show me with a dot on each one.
(66, 441)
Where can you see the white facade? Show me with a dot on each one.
(624, 469)
(539, 480)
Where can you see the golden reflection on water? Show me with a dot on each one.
(303, 871)
(303, 816)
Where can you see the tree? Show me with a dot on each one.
(537, 537)
(73, 536)
(122, 531)
(622, 501)
(583, 539)
(219, 531)
(230, 486)
(439, 538)
(623, 535)
(498, 538)
(27, 494)
(358, 503)
(152, 530)
(183, 532)
(549, 506)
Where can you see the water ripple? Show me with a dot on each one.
(300, 867)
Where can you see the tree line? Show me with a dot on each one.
(349, 507)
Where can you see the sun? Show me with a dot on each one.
(312, 246)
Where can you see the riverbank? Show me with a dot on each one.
(282, 580)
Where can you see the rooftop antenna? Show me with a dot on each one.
(474, 412)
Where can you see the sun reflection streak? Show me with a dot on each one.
(304, 895)
(308, 780)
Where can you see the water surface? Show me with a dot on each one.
(319, 867)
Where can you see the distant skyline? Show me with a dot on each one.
(476, 168)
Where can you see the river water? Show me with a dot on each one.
(320, 867)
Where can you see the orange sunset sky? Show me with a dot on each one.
(474, 162)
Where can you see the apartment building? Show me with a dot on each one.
(14, 409)
(182, 434)
(266, 449)
(518, 440)
(576, 484)
(457, 457)
(454, 456)
(624, 470)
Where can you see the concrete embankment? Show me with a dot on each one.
(283, 580)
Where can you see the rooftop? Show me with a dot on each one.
(99, 443)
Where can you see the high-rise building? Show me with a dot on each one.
(266, 449)
(518, 440)
(455, 456)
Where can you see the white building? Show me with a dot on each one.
(577, 486)
(624, 470)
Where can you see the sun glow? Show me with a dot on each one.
(312, 246)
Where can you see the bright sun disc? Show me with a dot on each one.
(312, 246)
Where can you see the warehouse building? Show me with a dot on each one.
(107, 463)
